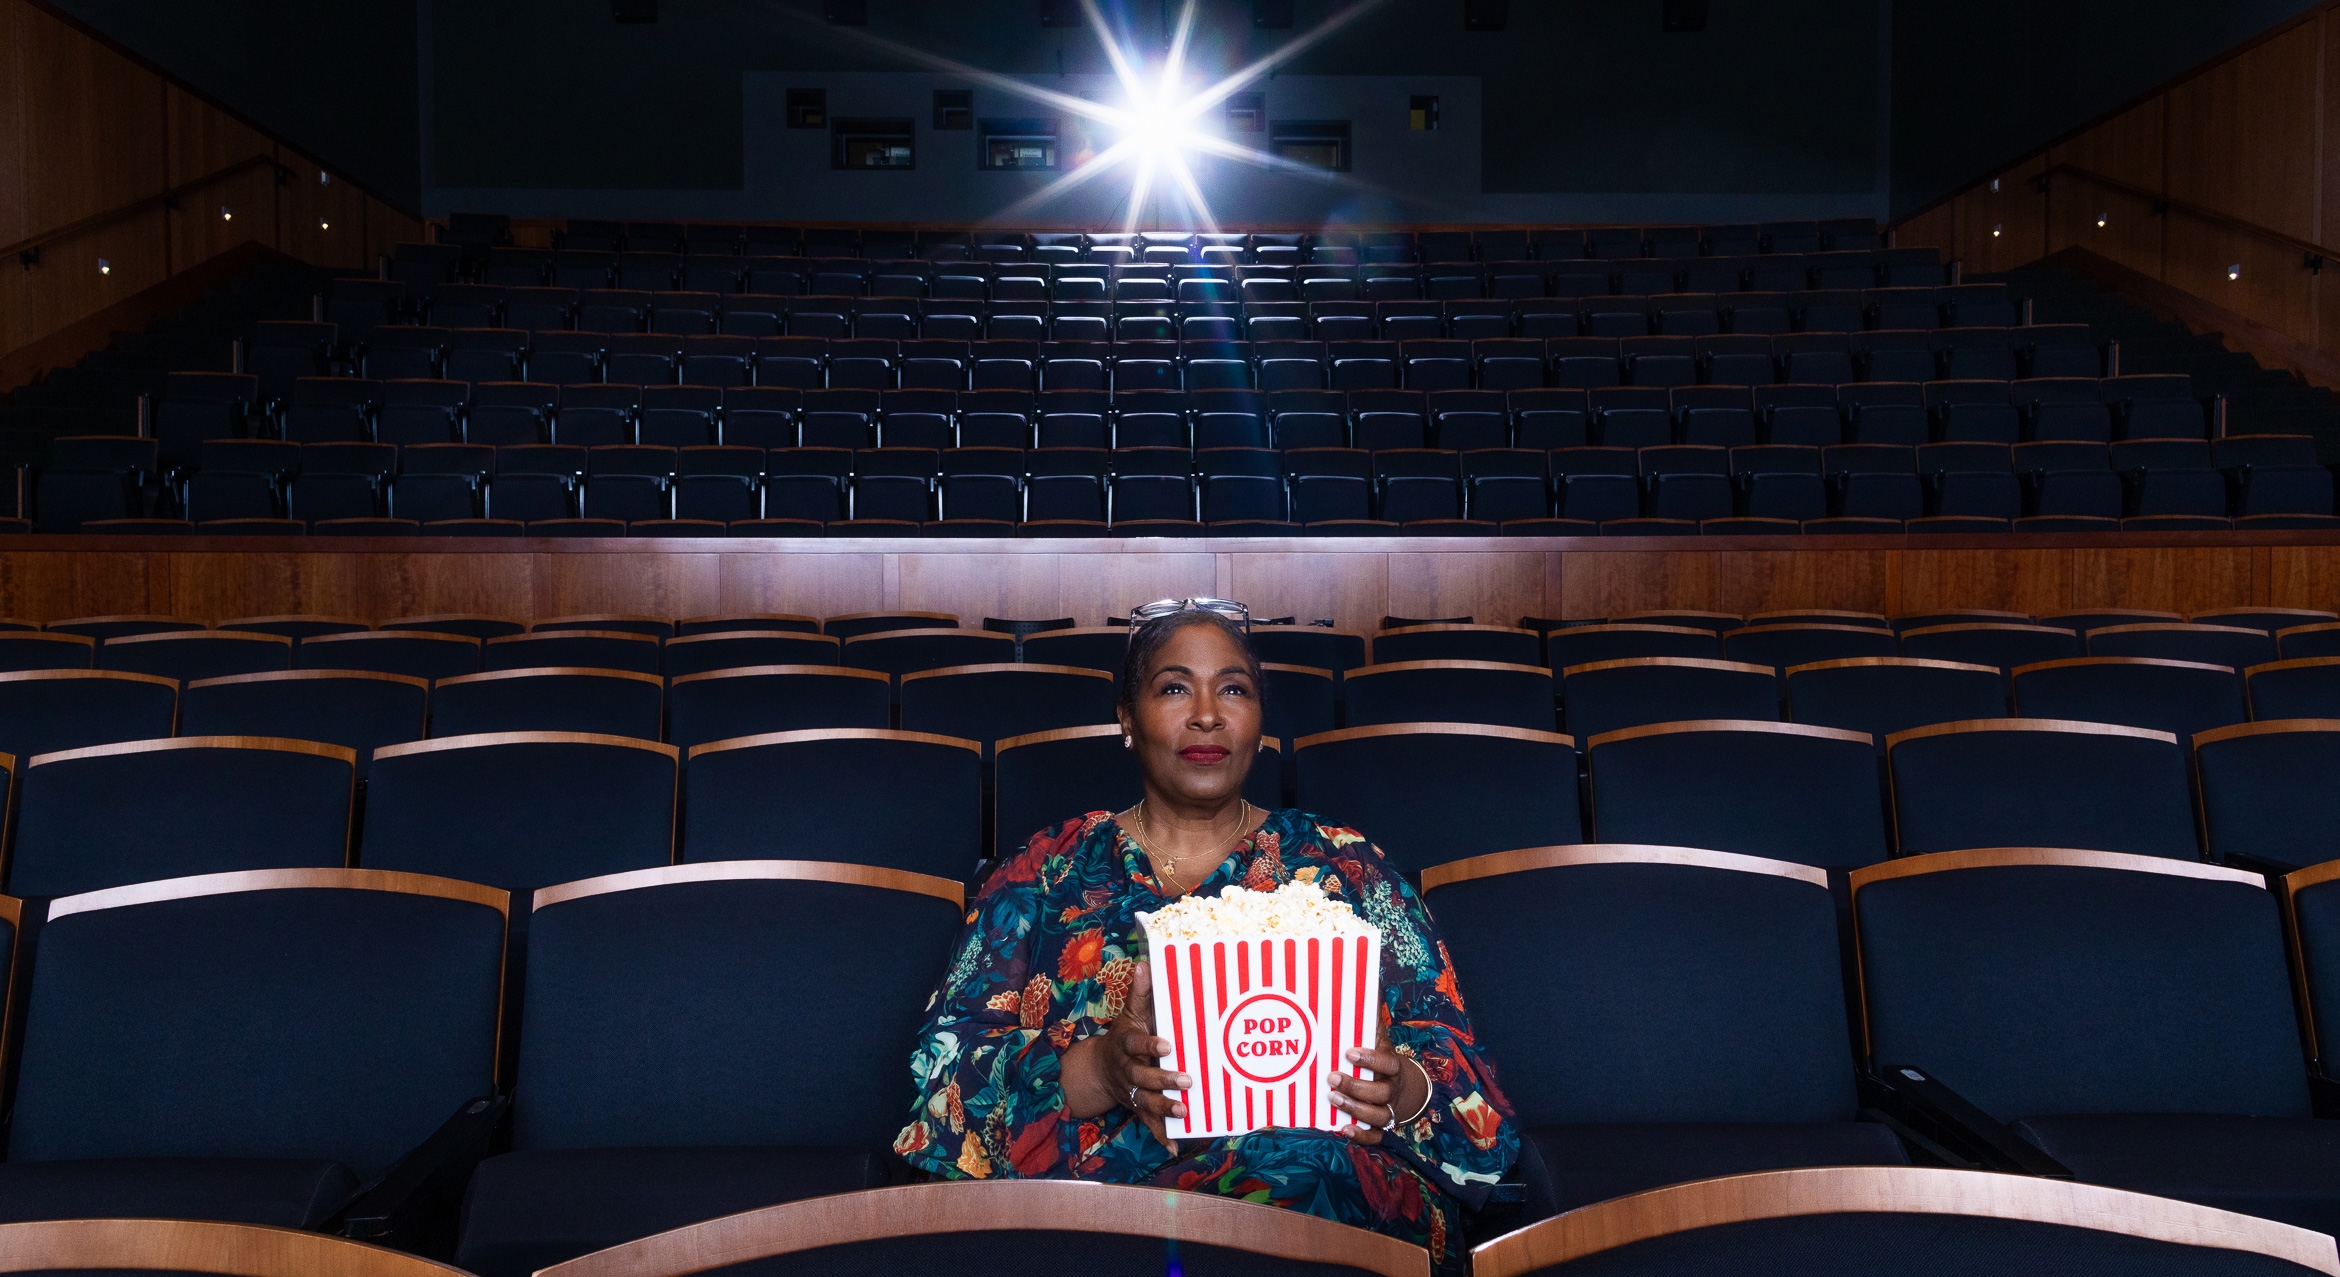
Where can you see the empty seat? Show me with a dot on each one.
(586, 649)
(2127, 1016)
(841, 790)
(902, 651)
(1437, 642)
(1400, 785)
(1787, 791)
(1782, 645)
(2030, 782)
(198, 654)
(1489, 692)
(1586, 644)
(856, 624)
(1667, 1014)
(758, 699)
(416, 653)
(28, 650)
(310, 1028)
(554, 699)
(2263, 790)
(650, 1101)
(1884, 695)
(2308, 687)
(988, 703)
(45, 711)
(2235, 646)
(1987, 643)
(359, 710)
(734, 649)
(1606, 696)
(111, 815)
(521, 810)
(2179, 697)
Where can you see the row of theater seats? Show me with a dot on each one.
(1194, 363)
(1907, 414)
(1657, 1014)
(2265, 481)
(1059, 312)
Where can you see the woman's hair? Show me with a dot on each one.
(1147, 638)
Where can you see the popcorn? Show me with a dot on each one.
(1261, 994)
(1292, 909)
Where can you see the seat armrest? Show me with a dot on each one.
(2248, 863)
(1947, 1118)
(394, 1205)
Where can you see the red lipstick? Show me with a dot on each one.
(1206, 754)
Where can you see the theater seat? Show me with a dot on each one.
(1578, 1165)
(283, 1193)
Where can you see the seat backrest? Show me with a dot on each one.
(585, 649)
(855, 624)
(415, 653)
(2231, 645)
(1622, 983)
(2030, 782)
(637, 983)
(903, 651)
(1786, 791)
(1045, 778)
(200, 654)
(1440, 642)
(551, 699)
(2265, 789)
(521, 810)
(1585, 644)
(2037, 981)
(753, 700)
(143, 810)
(44, 711)
(2178, 697)
(2308, 687)
(735, 649)
(1781, 644)
(988, 703)
(1881, 695)
(1104, 648)
(1401, 784)
(2002, 644)
(1606, 696)
(1872, 1219)
(358, 709)
(897, 800)
(1495, 693)
(331, 1014)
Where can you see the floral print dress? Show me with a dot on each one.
(1049, 957)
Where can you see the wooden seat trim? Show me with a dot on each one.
(1497, 863)
(126, 616)
(535, 626)
(2192, 618)
(278, 676)
(1757, 618)
(977, 636)
(819, 671)
(2266, 727)
(1449, 627)
(1760, 725)
(1400, 667)
(1086, 733)
(410, 622)
(45, 636)
(2163, 661)
(545, 671)
(797, 635)
(2073, 726)
(433, 635)
(810, 734)
(1075, 631)
(750, 871)
(2301, 879)
(275, 744)
(1802, 627)
(1340, 735)
(2009, 618)
(1330, 676)
(1682, 662)
(1961, 627)
(542, 635)
(1916, 1190)
(2295, 663)
(1637, 627)
(208, 636)
(2065, 857)
(889, 614)
(30, 676)
(1006, 667)
(293, 616)
(2181, 627)
(754, 616)
(1642, 618)
(991, 1205)
(2306, 629)
(222, 884)
(1895, 662)
(236, 1250)
(487, 740)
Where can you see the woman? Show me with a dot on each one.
(1039, 1058)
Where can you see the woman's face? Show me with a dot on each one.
(1195, 720)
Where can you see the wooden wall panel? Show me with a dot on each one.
(322, 222)
(638, 584)
(2162, 578)
(2032, 581)
(2243, 134)
(1494, 588)
(2303, 576)
(1999, 229)
(1637, 581)
(15, 215)
(1349, 588)
(828, 584)
(201, 141)
(422, 584)
(217, 587)
(1775, 580)
(94, 123)
(2130, 148)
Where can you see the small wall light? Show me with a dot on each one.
(105, 267)
(324, 225)
(2234, 271)
(2101, 219)
(225, 214)
(1996, 229)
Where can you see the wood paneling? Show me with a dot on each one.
(1344, 581)
(2243, 134)
(93, 123)
(15, 216)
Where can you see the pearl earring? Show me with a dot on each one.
(1125, 742)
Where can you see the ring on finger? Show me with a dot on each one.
(1132, 1100)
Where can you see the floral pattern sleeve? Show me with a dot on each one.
(987, 1064)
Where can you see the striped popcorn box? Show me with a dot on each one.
(1258, 1019)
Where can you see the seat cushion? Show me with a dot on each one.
(527, 1210)
(286, 1194)
(1583, 1164)
(2285, 1168)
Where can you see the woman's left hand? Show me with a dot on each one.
(1397, 1089)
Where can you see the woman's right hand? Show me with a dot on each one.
(1119, 1067)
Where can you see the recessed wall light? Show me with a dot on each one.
(226, 214)
(2234, 271)
(105, 267)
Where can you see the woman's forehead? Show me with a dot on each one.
(1199, 647)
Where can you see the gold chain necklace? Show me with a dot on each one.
(1167, 866)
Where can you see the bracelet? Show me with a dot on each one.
(1428, 1088)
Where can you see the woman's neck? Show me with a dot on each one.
(1187, 843)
